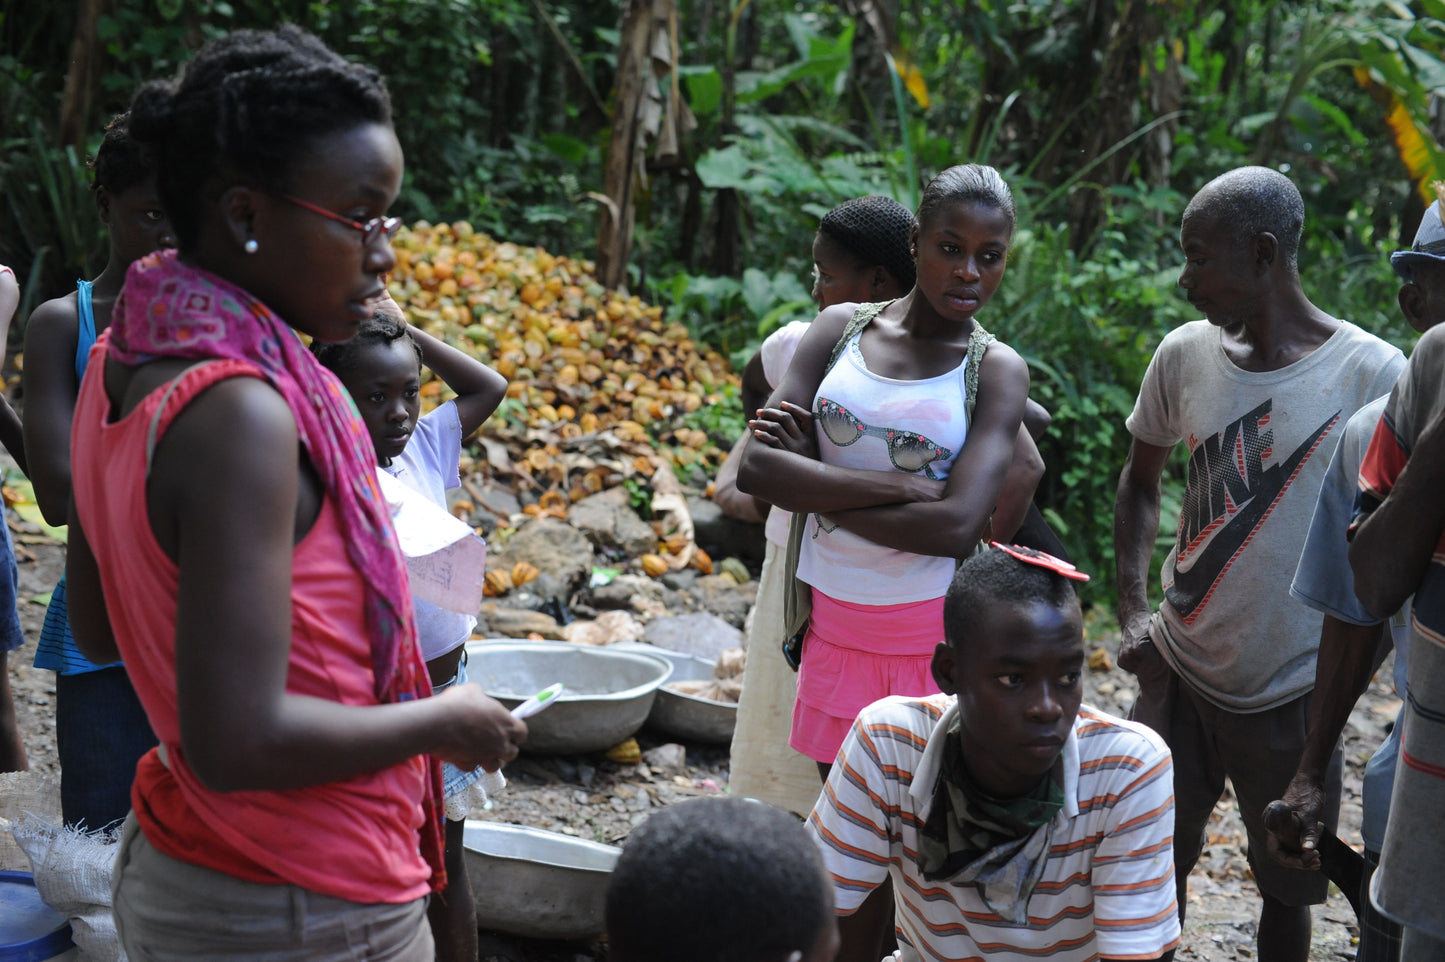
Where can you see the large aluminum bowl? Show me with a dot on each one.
(537, 884)
(607, 697)
(683, 716)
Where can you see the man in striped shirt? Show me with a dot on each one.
(1012, 822)
(1398, 547)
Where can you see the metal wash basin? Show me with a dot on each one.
(537, 884)
(683, 716)
(607, 698)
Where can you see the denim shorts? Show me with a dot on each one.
(454, 780)
(11, 637)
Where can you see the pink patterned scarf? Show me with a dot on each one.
(172, 309)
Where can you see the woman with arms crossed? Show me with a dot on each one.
(899, 483)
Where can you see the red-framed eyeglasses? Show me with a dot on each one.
(370, 230)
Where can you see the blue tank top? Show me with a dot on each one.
(55, 650)
(85, 335)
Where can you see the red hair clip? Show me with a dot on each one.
(1032, 556)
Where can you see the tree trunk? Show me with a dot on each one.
(81, 78)
(870, 88)
(1124, 31)
(625, 157)
(727, 208)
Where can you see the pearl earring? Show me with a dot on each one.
(251, 246)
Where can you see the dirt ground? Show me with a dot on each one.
(598, 799)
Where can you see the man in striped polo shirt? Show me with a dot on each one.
(1012, 822)
(1398, 547)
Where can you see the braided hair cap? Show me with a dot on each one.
(876, 230)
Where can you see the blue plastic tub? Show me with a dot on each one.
(30, 930)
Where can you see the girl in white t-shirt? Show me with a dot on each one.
(381, 370)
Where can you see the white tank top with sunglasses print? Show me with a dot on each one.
(864, 420)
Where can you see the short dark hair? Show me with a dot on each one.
(379, 328)
(969, 183)
(120, 161)
(992, 578)
(876, 230)
(244, 109)
(1250, 201)
(717, 880)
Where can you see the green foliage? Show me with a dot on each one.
(639, 498)
(56, 235)
(723, 420)
(1087, 326)
(734, 315)
(499, 109)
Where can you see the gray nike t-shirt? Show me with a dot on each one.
(1259, 444)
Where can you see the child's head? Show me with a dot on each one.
(125, 195)
(1014, 656)
(720, 880)
(964, 226)
(1422, 271)
(861, 252)
(276, 162)
(381, 370)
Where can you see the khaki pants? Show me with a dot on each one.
(763, 766)
(170, 910)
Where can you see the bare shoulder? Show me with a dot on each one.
(1002, 366)
(54, 323)
(829, 324)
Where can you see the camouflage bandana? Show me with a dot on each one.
(998, 845)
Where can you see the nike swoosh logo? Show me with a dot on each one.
(1192, 588)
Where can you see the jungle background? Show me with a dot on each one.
(687, 149)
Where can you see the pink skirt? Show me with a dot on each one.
(854, 655)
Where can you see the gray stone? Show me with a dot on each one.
(680, 580)
(722, 536)
(547, 586)
(666, 758)
(555, 547)
(621, 591)
(724, 597)
(521, 599)
(697, 633)
(497, 501)
(608, 521)
(496, 621)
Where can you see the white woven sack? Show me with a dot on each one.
(21, 793)
(72, 871)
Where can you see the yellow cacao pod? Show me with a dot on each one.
(497, 582)
(523, 572)
(626, 753)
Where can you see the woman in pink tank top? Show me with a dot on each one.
(228, 524)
